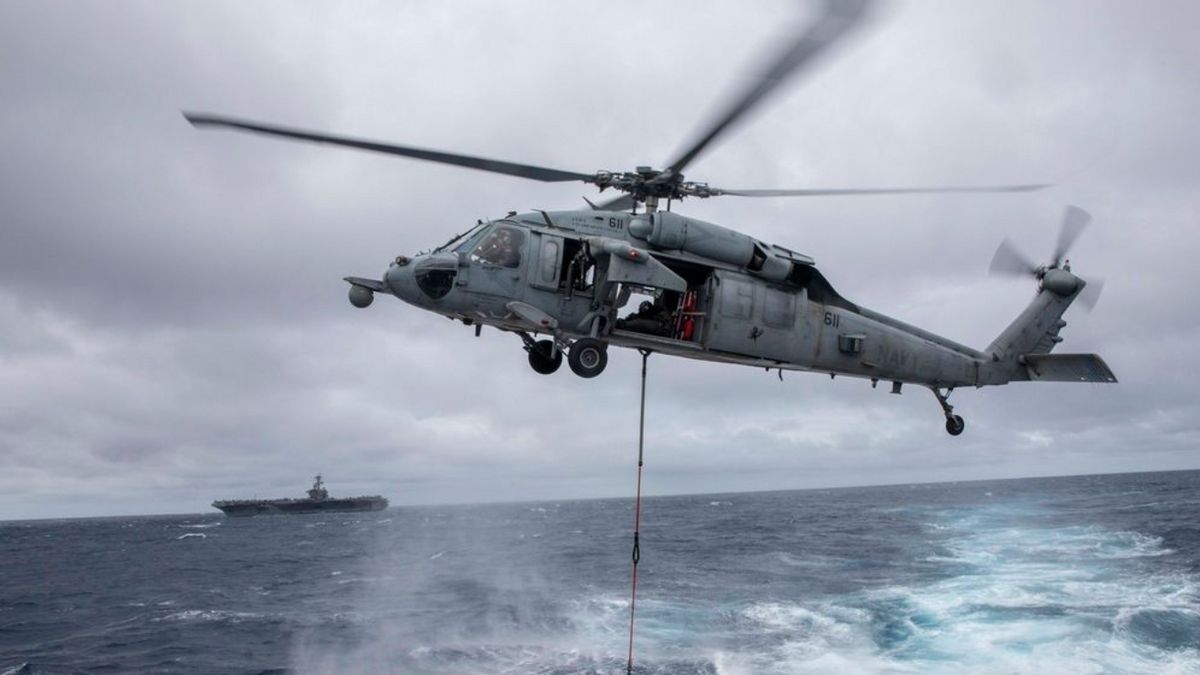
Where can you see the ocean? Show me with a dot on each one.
(1088, 574)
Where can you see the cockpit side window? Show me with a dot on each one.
(501, 246)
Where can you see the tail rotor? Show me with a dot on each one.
(1055, 275)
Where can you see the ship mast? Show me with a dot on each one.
(318, 491)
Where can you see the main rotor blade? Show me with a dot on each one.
(469, 161)
(1074, 220)
(874, 191)
(838, 17)
(1008, 260)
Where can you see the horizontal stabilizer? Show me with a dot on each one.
(1067, 368)
(369, 284)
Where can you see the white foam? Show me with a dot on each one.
(818, 639)
(192, 535)
(204, 615)
(1042, 600)
(1032, 600)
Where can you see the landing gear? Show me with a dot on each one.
(588, 357)
(543, 357)
(954, 423)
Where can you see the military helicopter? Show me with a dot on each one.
(562, 280)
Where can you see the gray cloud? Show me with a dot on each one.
(173, 327)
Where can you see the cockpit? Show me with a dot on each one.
(495, 244)
(500, 246)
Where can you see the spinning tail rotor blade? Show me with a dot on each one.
(1090, 293)
(1074, 221)
(874, 191)
(1008, 260)
(838, 17)
(469, 161)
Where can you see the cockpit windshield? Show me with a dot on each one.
(501, 246)
(458, 239)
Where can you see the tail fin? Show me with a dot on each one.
(1021, 352)
(1036, 330)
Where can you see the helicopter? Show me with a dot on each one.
(563, 281)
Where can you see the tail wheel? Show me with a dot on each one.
(588, 357)
(955, 425)
(540, 358)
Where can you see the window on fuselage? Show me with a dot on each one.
(501, 247)
(551, 254)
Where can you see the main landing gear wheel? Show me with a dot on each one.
(955, 425)
(541, 359)
(588, 357)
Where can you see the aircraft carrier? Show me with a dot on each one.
(318, 501)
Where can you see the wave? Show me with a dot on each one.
(210, 615)
(1042, 599)
(192, 535)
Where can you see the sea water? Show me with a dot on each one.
(1089, 574)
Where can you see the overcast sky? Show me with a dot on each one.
(174, 328)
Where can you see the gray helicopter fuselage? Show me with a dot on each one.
(735, 299)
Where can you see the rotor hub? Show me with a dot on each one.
(646, 182)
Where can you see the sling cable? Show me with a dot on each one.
(637, 511)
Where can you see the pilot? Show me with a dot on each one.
(501, 248)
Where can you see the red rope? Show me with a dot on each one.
(637, 513)
(637, 518)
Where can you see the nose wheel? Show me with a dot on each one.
(954, 423)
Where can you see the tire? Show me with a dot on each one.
(588, 357)
(955, 425)
(540, 359)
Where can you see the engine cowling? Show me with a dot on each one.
(672, 232)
